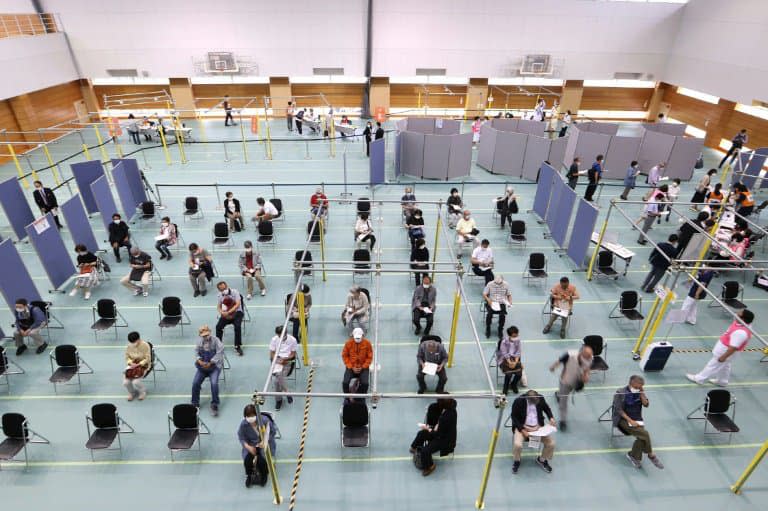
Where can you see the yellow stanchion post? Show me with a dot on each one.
(646, 325)
(466, 105)
(303, 328)
(480, 502)
(118, 149)
(418, 103)
(18, 166)
(593, 259)
(736, 488)
(87, 153)
(332, 134)
(268, 141)
(161, 132)
(708, 242)
(180, 140)
(322, 247)
(278, 498)
(724, 175)
(201, 125)
(454, 325)
(242, 136)
(668, 298)
(54, 171)
(104, 155)
(437, 240)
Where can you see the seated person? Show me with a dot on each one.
(30, 319)
(363, 230)
(423, 305)
(230, 309)
(497, 296)
(249, 436)
(735, 251)
(466, 230)
(209, 362)
(318, 203)
(420, 259)
(482, 261)
(628, 404)
(454, 207)
(250, 268)
(357, 355)
(561, 297)
(167, 238)
(232, 212)
(355, 313)
(119, 236)
(282, 353)
(432, 351)
(438, 435)
(408, 203)
(745, 204)
(528, 413)
(266, 211)
(294, 316)
(138, 362)
(415, 225)
(508, 353)
(141, 269)
(87, 276)
(200, 269)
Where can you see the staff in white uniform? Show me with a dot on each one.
(718, 369)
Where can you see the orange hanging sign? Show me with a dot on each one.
(255, 124)
(114, 127)
(380, 114)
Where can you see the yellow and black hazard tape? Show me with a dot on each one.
(709, 350)
(302, 441)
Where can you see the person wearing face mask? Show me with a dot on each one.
(573, 377)
(138, 360)
(482, 261)
(507, 205)
(508, 354)
(200, 269)
(437, 435)
(466, 231)
(734, 340)
(29, 321)
(209, 362)
(357, 355)
(420, 259)
(46, 201)
(250, 266)
(408, 203)
(356, 310)
(250, 437)
(167, 238)
(282, 355)
(367, 133)
(627, 417)
(454, 207)
(415, 225)
(230, 310)
(318, 203)
(141, 269)
(423, 305)
(431, 351)
(528, 417)
(364, 230)
(119, 235)
(497, 296)
(561, 298)
(294, 312)
(87, 277)
(232, 212)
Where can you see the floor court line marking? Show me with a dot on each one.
(371, 459)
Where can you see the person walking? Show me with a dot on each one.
(574, 375)
(595, 173)
(660, 263)
(289, 115)
(629, 179)
(735, 339)
(737, 143)
(228, 112)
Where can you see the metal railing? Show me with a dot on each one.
(22, 25)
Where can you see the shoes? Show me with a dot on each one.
(142, 396)
(73, 292)
(145, 294)
(197, 293)
(118, 259)
(131, 397)
(429, 470)
(412, 450)
(290, 400)
(214, 410)
(204, 292)
(635, 463)
(417, 331)
(420, 391)
(656, 462)
(137, 292)
(544, 464)
(248, 296)
(563, 426)
(169, 257)
(162, 256)
(87, 295)
(717, 382)
(278, 404)
(515, 390)
(515, 467)
(248, 481)
(20, 350)
(263, 292)
(692, 377)
(239, 351)
(41, 348)
(546, 329)
(487, 334)
(562, 334)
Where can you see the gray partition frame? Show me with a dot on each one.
(486, 147)
(655, 148)
(50, 248)
(557, 152)
(460, 158)
(581, 234)
(85, 173)
(505, 124)
(510, 153)
(79, 226)
(412, 153)
(590, 145)
(547, 175)
(570, 146)
(16, 207)
(562, 218)
(537, 128)
(105, 201)
(437, 151)
(536, 153)
(425, 125)
(621, 152)
(683, 157)
(15, 280)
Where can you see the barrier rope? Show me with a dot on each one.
(304, 427)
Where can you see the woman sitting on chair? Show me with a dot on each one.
(455, 207)
(363, 230)
(415, 225)
(439, 434)
(86, 265)
(254, 459)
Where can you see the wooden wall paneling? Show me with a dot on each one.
(110, 90)
(616, 98)
(234, 90)
(697, 113)
(406, 95)
(347, 95)
(8, 122)
(757, 129)
(12, 25)
(518, 101)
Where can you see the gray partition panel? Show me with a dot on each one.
(505, 124)
(557, 152)
(449, 127)
(606, 128)
(532, 127)
(85, 173)
(412, 153)
(486, 147)
(570, 146)
(541, 201)
(421, 124)
(655, 148)
(437, 150)
(668, 128)
(590, 145)
(50, 248)
(621, 152)
(398, 145)
(683, 157)
(376, 163)
(133, 175)
(536, 153)
(510, 150)
(558, 188)
(562, 218)
(581, 234)
(460, 160)
(104, 200)
(15, 281)
(78, 224)
(16, 207)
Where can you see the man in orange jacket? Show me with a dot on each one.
(357, 355)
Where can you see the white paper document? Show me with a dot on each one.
(495, 306)
(545, 430)
(161, 237)
(426, 310)
(429, 368)
(557, 311)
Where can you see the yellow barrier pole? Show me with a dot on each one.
(268, 454)
(268, 142)
(104, 155)
(454, 324)
(736, 488)
(418, 104)
(31, 168)
(708, 242)
(332, 134)
(55, 172)
(161, 132)
(118, 149)
(466, 105)
(201, 125)
(322, 247)
(480, 502)
(648, 320)
(668, 298)
(18, 166)
(242, 135)
(437, 240)
(303, 328)
(180, 140)
(593, 259)
(724, 175)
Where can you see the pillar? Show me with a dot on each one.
(571, 96)
(657, 105)
(90, 99)
(716, 128)
(477, 97)
(183, 99)
(379, 94)
(26, 116)
(280, 94)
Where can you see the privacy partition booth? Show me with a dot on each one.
(432, 148)
(517, 147)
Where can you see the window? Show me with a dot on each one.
(130, 80)
(526, 80)
(701, 96)
(634, 84)
(432, 79)
(755, 111)
(689, 130)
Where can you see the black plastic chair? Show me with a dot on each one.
(302, 263)
(108, 317)
(354, 424)
(68, 365)
(715, 413)
(17, 435)
(362, 263)
(536, 268)
(278, 204)
(155, 364)
(266, 233)
(188, 426)
(7, 368)
(517, 233)
(604, 267)
(630, 306)
(363, 205)
(51, 321)
(221, 235)
(731, 295)
(107, 427)
(147, 211)
(313, 233)
(172, 314)
(599, 353)
(192, 209)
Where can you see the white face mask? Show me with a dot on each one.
(498, 280)
(634, 390)
(251, 420)
(165, 224)
(358, 341)
(117, 221)
(426, 286)
(82, 253)
(38, 188)
(21, 311)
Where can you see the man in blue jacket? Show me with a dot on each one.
(29, 321)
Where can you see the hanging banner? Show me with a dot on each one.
(114, 127)
(255, 124)
(380, 114)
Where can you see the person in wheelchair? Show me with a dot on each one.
(437, 435)
(627, 417)
(282, 353)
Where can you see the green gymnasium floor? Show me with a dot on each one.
(590, 470)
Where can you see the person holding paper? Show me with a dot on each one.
(209, 363)
(232, 212)
(364, 230)
(408, 203)
(167, 238)
(466, 230)
(482, 261)
(508, 353)
(454, 207)
(573, 173)
(561, 298)
(438, 435)
(594, 174)
(654, 176)
(46, 201)
(414, 222)
(282, 354)
(696, 293)
(357, 356)
(628, 404)
(629, 179)
(734, 340)
(432, 359)
(356, 310)
(267, 210)
(527, 416)
(423, 305)
(497, 296)
(141, 268)
(87, 277)
(294, 311)
(200, 268)
(507, 205)
(651, 212)
(420, 260)
(251, 267)
(230, 310)
(660, 263)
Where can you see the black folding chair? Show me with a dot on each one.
(171, 314)
(599, 353)
(221, 236)
(51, 321)
(731, 295)
(354, 424)
(278, 204)
(7, 368)
(536, 268)
(266, 233)
(630, 306)
(302, 263)
(107, 427)
(147, 211)
(17, 435)
(715, 413)
(362, 263)
(604, 267)
(68, 365)
(155, 365)
(188, 426)
(313, 231)
(517, 233)
(108, 317)
(363, 205)
(192, 209)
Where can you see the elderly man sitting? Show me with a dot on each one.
(466, 230)
(628, 404)
(432, 359)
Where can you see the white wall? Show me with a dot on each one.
(720, 49)
(33, 63)
(17, 7)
